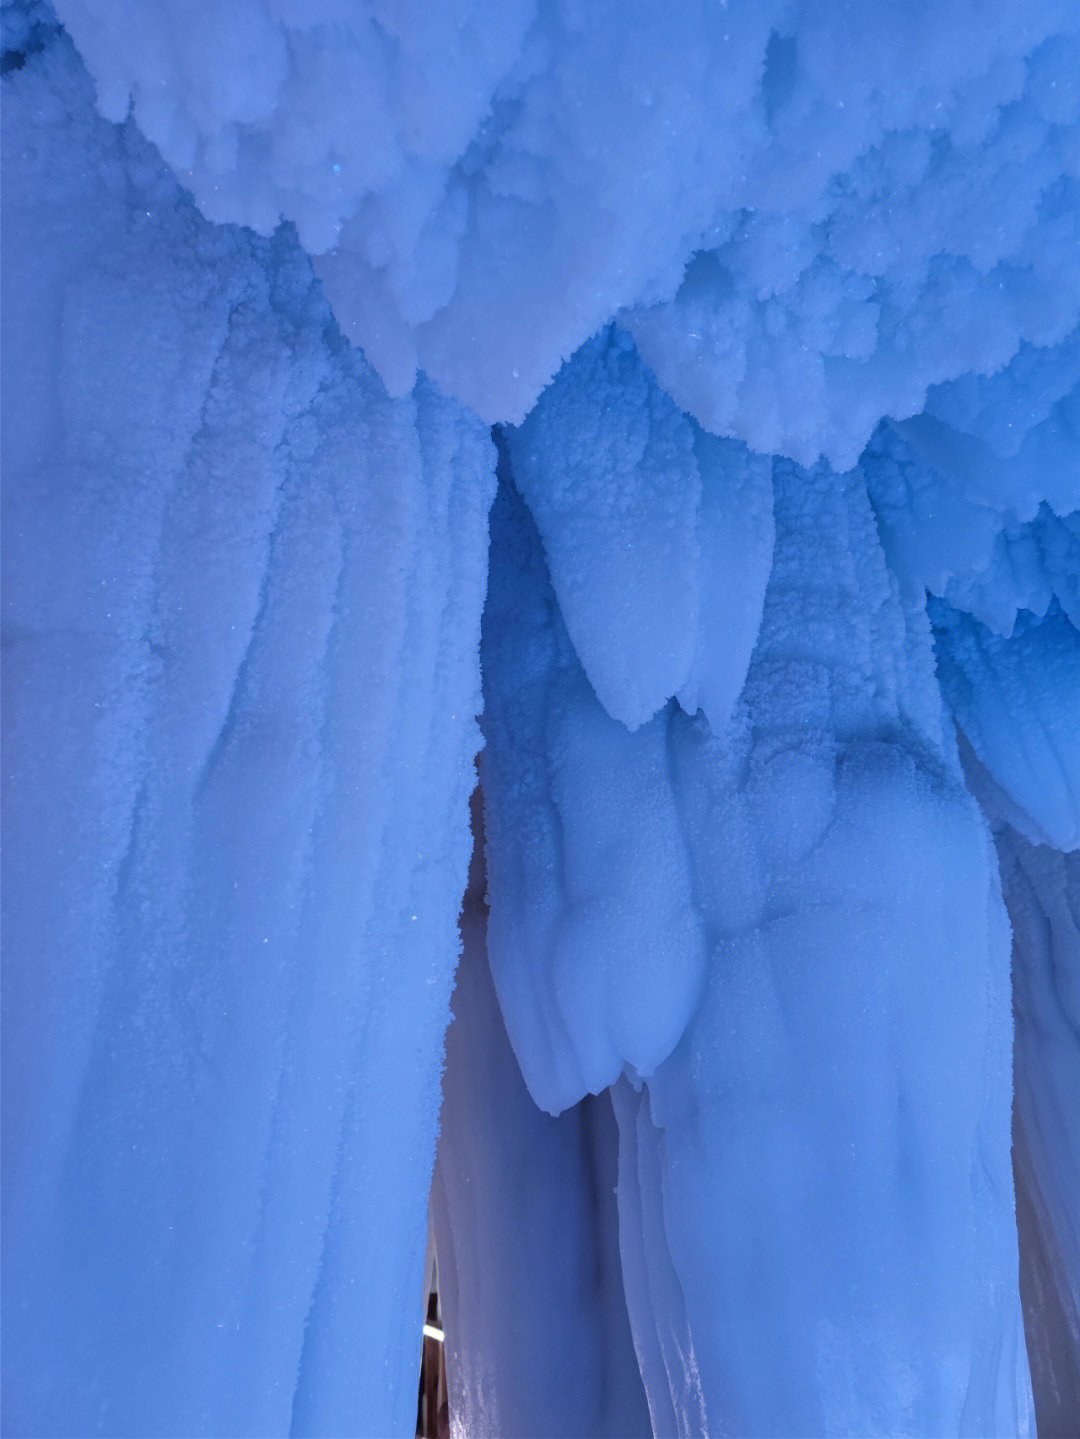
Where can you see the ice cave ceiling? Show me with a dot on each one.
(676, 406)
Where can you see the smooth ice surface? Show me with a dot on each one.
(1042, 889)
(662, 1339)
(775, 309)
(527, 1229)
(597, 964)
(242, 595)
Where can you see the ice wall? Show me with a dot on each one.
(1042, 888)
(242, 595)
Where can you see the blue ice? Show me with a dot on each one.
(661, 424)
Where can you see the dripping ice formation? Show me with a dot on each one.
(689, 393)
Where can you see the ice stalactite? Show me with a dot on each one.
(594, 969)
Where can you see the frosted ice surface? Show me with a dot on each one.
(1017, 701)
(658, 537)
(606, 464)
(241, 598)
(798, 243)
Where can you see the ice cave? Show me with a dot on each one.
(541, 718)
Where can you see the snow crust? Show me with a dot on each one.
(775, 310)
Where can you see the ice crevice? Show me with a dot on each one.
(619, 464)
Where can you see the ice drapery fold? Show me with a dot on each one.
(526, 1228)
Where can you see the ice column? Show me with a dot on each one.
(813, 1239)
(241, 620)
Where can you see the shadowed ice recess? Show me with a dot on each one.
(669, 413)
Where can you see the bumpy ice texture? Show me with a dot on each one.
(804, 213)
(241, 600)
